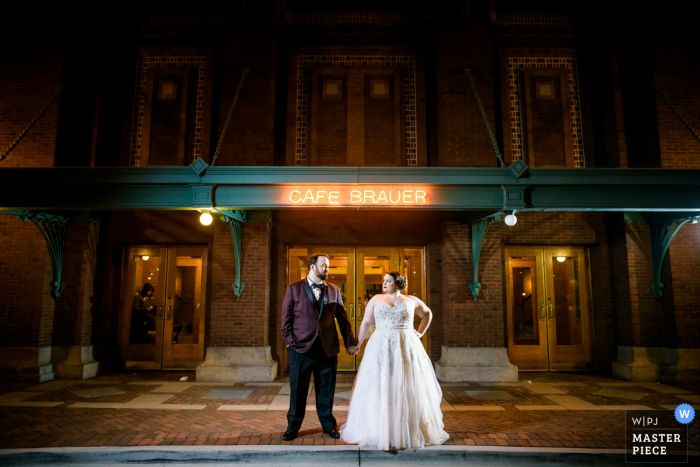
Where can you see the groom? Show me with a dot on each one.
(310, 309)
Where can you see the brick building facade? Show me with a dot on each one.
(287, 85)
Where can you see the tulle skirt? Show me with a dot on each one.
(396, 399)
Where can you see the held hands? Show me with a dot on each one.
(418, 334)
(353, 350)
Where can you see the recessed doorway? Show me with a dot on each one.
(549, 320)
(359, 273)
(163, 331)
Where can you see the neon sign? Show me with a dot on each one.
(357, 196)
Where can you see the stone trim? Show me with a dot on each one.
(477, 364)
(651, 364)
(74, 362)
(229, 364)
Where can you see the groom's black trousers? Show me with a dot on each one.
(324, 369)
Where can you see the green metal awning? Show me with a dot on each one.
(270, 187)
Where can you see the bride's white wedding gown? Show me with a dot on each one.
(396, 400)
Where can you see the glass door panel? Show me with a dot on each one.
(372, 264)
(141, 316)
(412, 268)
(548, 315)
(165, 330)
(525, 302)
(567, 313)
(184, 314)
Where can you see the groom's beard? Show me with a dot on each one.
(322, 275)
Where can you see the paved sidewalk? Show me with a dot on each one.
(155, 409)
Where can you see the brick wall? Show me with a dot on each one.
(249, 42)
(468, 322)
(278, 279)
(684, 255)
(31, 73)
(676, 65)
(331, 124)
(646, 312)
(243, 322)
(462, 137)
(433, 283)
(26, 310)
(72, 315)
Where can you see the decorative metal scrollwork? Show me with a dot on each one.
(53, 228)
(235, 220)
(478, 231)
(662, 234)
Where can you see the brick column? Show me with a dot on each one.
(72, 350)
(238, 343)
(473, 347)
(26, 307)
(681, 311)
(639, 314)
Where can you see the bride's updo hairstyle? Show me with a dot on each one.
(400, 280)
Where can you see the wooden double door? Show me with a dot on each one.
(359, 273)
(165, 330)
(549, 319)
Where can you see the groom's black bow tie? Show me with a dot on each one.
(316, 286)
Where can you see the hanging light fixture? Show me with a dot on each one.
(561, 259)
(510, 218)
(206, 218)
(145, 257)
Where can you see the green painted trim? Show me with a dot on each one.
(661, 237)
(235, 220)
(53, 228)
(264, 188)
(478, 231)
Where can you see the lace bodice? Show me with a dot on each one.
(399, 316)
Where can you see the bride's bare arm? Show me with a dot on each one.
(367, 322)
(424, 313)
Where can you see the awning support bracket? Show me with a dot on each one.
(662, 234)
(478, 231)
(53, 228)
(235, 220)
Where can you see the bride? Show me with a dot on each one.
(396, 399)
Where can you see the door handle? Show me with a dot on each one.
(359, 312)
(160, 312)
(543, 315)
(352, 312)
(170, 307)
(551, 312)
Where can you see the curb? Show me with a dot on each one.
(306, 455)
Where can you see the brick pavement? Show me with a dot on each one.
(501, 422)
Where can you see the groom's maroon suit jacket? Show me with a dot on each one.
(301, 322)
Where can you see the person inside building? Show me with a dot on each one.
(396, 399)
(143, 315)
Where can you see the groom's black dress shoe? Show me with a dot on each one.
(290, 435)
(333, 433)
